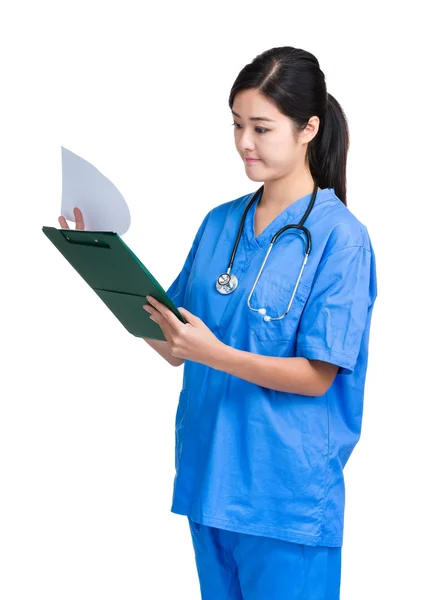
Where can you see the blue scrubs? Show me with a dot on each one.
(254, 460)
(239, 566)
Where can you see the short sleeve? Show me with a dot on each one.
(176, 291)
(336, 312)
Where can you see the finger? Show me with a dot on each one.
(155, 316)
(187, 315)
(156, 304)
(63, 223)
(151, 310)
(165, 317)
(79, 222)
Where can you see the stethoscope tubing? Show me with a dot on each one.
(222, 283)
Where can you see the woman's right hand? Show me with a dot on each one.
(79, 222)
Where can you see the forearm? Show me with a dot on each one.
(162, 347)
(295, 375)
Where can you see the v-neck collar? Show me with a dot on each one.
(291, 214)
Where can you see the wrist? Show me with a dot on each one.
(222, 356)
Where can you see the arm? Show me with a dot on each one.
(163, 349)
(196, 341)
(329, 334)
(176, 291)
(295, 375)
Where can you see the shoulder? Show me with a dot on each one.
(343, 229)
(229, 207)
(214, 219)
(220, 211)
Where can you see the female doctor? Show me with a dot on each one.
(272, 397)
(274, 351)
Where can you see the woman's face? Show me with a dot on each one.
(270, 141)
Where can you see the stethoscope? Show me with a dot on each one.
(227, 282)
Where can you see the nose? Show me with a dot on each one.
(245, 143)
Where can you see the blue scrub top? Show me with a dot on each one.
(252, 459)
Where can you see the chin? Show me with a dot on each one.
(254, 177)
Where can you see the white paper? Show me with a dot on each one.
(83, 186)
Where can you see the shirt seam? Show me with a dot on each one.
(327, 467)
(326, 350)
(319, 536)
(347, 248)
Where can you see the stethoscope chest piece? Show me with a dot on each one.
(226, 283)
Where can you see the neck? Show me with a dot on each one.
(280, 193)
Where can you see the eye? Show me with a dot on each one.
(258, 129)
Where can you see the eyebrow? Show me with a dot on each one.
(254, 118)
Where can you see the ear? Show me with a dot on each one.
(311, 128)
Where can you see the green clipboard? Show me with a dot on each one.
(117, 276)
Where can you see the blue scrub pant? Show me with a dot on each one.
(239, 566)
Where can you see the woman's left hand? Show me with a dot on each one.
(192, 340)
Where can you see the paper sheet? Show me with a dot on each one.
(102, 205)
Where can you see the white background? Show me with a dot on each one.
(87, 410)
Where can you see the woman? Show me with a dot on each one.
(270, 409)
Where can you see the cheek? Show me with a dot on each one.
(281, 156)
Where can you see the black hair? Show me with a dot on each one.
(291, 78)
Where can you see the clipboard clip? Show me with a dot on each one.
(84, 238)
